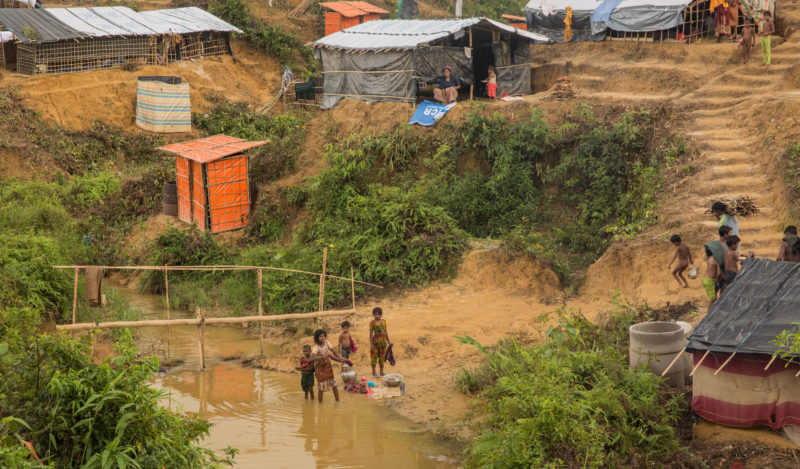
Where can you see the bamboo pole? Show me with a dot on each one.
(725, 363)
(353, 287)
(700, 362)
(201, 336)
(195, 321)
(322, 286)
(797, 374)
(169, 329)
(261, 310)
(75, 299)
(673, 362)
(212, 268)
(770, 362)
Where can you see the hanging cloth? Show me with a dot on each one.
(568, 25)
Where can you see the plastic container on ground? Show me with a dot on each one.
(656, 344)
(170, 204)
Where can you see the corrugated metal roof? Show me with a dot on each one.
(352, 9)
(45, 25)
(208, 149)
(409, 34)
(189, 20)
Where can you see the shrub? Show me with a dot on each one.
(571, 401)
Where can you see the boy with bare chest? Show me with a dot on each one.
(684, 256)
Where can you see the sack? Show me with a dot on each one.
(692, 273)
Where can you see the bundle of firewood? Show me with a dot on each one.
(741, 206)
(563, 88)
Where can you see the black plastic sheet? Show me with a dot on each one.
(762, 301)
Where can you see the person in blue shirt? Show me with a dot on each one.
(448, 87)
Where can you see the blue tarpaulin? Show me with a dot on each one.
(428, 113)
(603, 11)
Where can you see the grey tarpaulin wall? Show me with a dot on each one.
(393, 75)
(553, 25)
(371, 76)
(513, 68)
(642, 19)
(762, 301)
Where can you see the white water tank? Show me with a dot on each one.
(656, 344)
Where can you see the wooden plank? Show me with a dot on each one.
(195, 321)
(261, 310)
(201, 335)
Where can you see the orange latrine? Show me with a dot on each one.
(346, 14)
(517, 21)
(212, 180)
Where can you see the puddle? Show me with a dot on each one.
(263, 413)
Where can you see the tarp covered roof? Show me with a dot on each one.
(553, 5)
(352, 9)
(43, 26)
(212, 148)
(409, 34)
(189, 20)
(107, 21)
(762, 301)
(55, 24)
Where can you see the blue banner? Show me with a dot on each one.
(428, 113)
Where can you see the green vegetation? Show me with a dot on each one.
(273, 39)
(572, 401)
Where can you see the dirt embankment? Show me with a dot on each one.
(76, 99)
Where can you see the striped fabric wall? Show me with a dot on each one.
(743, 394)
(162, 107)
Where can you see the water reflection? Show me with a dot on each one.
(264, 415)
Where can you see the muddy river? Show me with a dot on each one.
(263, 413)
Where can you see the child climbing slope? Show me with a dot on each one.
(378, 341)
(684, 256)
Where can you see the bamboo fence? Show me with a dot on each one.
(200, 321)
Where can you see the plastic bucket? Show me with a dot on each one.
(656, 344)
(171, 192)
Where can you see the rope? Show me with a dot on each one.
(369, 96)
(374, 71)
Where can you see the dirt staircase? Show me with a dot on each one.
(734, 161)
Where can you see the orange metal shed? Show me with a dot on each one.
(518, 22)
(346, 14)
(212, 180)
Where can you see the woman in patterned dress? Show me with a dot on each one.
(378, 341)
(322, 354)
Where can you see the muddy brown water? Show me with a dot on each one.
(263, 413)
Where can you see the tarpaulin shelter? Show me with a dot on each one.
(342, 15)
(737, 333)
(639, 16)
(212, 180)
(61, 40)
(163, 105)
(548, 17)
(384, 60)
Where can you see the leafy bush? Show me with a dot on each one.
(571, 401)
(179, 247)
(87, 415)
(283, 45)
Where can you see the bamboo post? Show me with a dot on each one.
(169, 329)
(75, 299)
(725, 363)
(201, 336)
(353, 287)
(261, 310)
(700, 362)
(321, 286)
(770, 362)
(797, 374)
(673, 362)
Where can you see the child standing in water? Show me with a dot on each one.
(344, 340)
(306, 370)
(378, 341)
(491, 83)
(684, 257)
(322, 354)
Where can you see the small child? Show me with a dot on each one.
(345, 339)
(306, 370)
(747, 41)
(767, 27)
(710, 278)
(732, 259)
(491, 83)
(684, 256)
